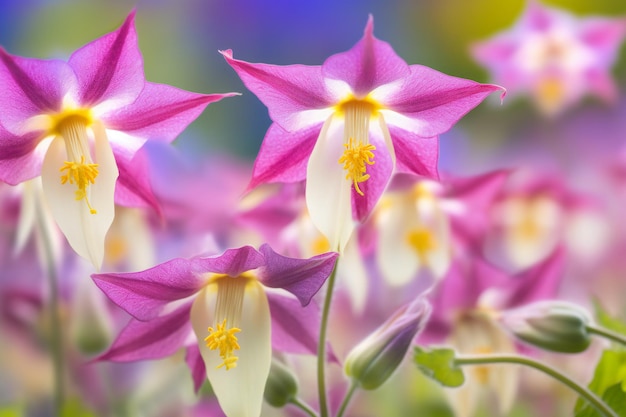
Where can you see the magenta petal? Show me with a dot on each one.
(301, 277)
(109, 67)
(144, 294)
(604, 36)
(29, 87)
(436, 100)
(540, 282)
(18, 162)
(283, 156)
(133, 187)
(160, 112)
(285, 90)
(415, 154)
(295, 329)
(233, 262)
(373, 188)
(196, 366)
(153, 339)
(369, 64)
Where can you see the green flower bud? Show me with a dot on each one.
(372, 361)
(281, 386)
(551, 325)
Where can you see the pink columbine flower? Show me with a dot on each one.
(220, 309)
(555, 57)
(79, 123)
(346, 125)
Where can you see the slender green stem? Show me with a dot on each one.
(56, 336)
(346, 400)
(588, 395)
(600, 331)
(304, 407)
(321, 346)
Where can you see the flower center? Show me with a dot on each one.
(359, 152)
(422, 240)
(79, 169)
(230, 292)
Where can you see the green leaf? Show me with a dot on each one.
(439, 365)
(11, 411)
(75, 408)
(610, 371)
(607, 321)
(614, 397)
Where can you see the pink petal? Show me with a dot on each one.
(30, 87)
(110, 67)
(434, 101)
(196, 366)
(18, 160)
(415, 154)
(285, 90)
(369, 64)
(373, 188)
(160, 112)
(283, 156)
(234, 262)
(301, 277)
(133, 188)
(154, 339)
(144, 294)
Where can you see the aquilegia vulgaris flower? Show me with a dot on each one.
(219, 308)
(79, 123)
(343, 126)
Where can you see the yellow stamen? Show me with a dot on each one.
(82, 175)
(225, 340)
(482, 372)
(355, 159)
(422, 240)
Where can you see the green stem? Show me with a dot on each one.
(321, 346)
(600, 331)
(346, 400)
(591, 398)
(304, 407)
(56, 339)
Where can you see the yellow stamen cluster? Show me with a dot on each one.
(355, 159)
(422, 240)
(82, 175)
(225, 340)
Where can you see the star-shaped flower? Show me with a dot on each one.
(79, 123)
(347, 125)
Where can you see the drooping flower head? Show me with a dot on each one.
(220, 309)
(346, 125)
(79, 123)
(554, 57)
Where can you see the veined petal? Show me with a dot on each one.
(328, 192)
(239, 390)
(29, 87)
(416, 154)
(435, 101)
(284, 155)
(301, 277)
(20, 156)
(109, 68)
(144, 294)
(84, 231)
(369, 64)
(194, 361)
(151, 339)
(285, 90)
(160, 112)
(233, 262)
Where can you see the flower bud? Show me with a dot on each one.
(281, 386)
(372, 361)
(551, 325)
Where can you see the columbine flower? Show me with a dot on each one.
(343, 124)
(219, 309)
(555, 57)
(79, 123)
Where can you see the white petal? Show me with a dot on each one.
(328, 192)
(240, 389)
(351, 271)
(84, 231)
(306, 118)
(398, 261)
(393, 118)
